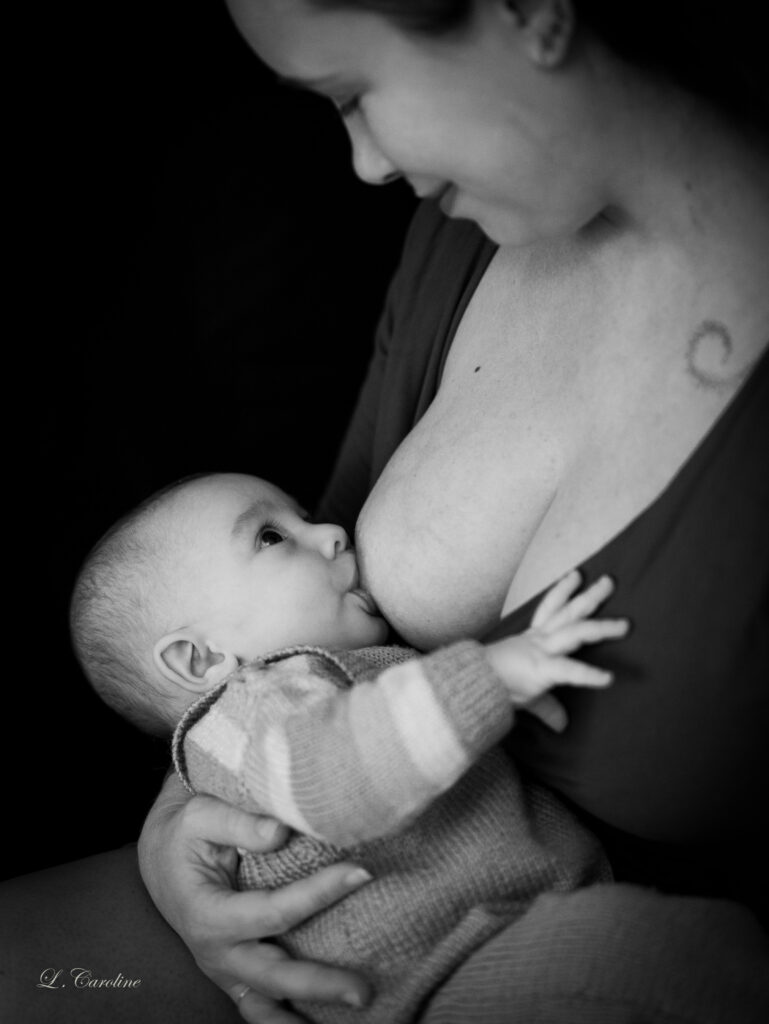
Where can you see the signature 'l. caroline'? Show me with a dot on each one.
(83, 978)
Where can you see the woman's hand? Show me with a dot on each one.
(188, 862)
(532, 663)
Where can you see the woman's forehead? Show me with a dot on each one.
(298, 39)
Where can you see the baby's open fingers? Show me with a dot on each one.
(550, 711)
(569, 638)
(555, 599)
(583, 605)
(577, 673)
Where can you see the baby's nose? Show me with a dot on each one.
(329, 539)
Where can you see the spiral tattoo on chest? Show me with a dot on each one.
(708, 357)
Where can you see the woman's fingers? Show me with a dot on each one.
(293, 904)
(570, 637)
(256, 1009)
(555, 599)
(220, 823)
(189, 864)
(274, 975)
(258, 914)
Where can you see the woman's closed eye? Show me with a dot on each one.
(347, 107)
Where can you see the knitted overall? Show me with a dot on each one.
(444, 881)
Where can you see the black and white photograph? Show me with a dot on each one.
(390, 552)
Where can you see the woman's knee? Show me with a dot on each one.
(83, 941)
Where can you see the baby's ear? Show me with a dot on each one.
(192, 663)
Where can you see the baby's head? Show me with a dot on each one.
(202, 577)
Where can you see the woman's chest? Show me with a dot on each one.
(560, 415)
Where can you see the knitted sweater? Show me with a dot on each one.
(386, 759)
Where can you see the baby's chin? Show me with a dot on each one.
(370, 628)
(368, 632)
(382, 631)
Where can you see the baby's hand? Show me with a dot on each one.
(535, 661)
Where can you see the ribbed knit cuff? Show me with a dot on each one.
(472, 694)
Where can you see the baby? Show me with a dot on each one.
(218, 609)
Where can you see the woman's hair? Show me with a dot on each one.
(699, 44)
(432, 17)
(702, 46)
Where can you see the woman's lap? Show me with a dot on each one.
(606, 954)
(95, 915)
(615, 954)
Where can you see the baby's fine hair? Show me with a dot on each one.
(113, 612)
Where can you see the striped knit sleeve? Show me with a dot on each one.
(349, 765)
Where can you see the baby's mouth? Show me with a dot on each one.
(368, 602)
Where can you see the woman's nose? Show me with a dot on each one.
(328, 539)
(370, 163)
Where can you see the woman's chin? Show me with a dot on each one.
(513, 228)
(510, 232)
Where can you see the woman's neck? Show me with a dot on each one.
(686, 203)
(683, 173)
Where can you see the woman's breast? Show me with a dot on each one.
(446, 525)
(449, 520)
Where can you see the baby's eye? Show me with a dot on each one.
(269, 535)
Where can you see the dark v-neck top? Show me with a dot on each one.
(671, 764)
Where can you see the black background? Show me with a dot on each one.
(200, 276)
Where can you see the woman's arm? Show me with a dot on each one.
(188, 862)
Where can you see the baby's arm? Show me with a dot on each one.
(349, 765)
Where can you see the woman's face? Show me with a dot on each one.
(470, 116)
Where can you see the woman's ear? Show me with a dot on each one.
(191, 662)
(547, 27)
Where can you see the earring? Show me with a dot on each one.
(553, 29)
(514, 7)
